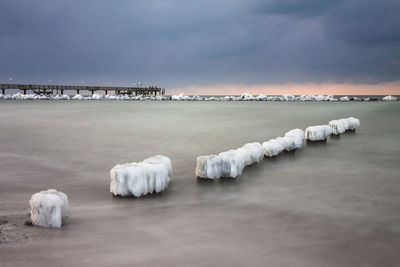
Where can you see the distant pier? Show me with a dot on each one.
(48, 89)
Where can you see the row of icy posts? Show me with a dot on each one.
(231, 163)
(51, 208)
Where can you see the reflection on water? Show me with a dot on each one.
(299, 208)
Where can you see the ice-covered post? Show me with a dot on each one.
(318, 133)
(49, 208)
(151, 175)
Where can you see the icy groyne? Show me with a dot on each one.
(229, 163)
(49, 208)
(151, 175)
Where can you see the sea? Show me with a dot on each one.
(333, 203)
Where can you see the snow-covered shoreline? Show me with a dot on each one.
(182, 97)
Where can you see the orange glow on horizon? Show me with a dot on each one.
(388, 88)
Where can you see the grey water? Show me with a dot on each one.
(335, 203)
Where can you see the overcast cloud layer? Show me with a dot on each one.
(178, 43)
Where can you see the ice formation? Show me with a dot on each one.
(247, 97)
(229, 163)
(77, 97)
(159, 98)
(252, 152)
(180, 97)
(353, 123)
(288, 97)
(296, 137)
(49, 208)
(208, 167)
(229, 98)
(389, 98)
(291, 140)
(232, 163)
(96, 97)
(197, 98)
(318, 133)
(151, 175)
(342, 125)
(337, 126)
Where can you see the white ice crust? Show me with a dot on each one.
(151, 175)
(318, 133)
(342, 125)
(229, 163)
(49, 208)
(77, 97)
(292, 140)
(181, 97)
(389, 98)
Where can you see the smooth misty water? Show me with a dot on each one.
(329, 204)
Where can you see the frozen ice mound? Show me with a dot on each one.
(318, 133)
(208, 167)
(49, 208)
(18, 96)
(288, 97)
(96, 97)
(261, 97)
(338, 126)
(232, 163)
(247, 97)
(197, 98)
(229, 163)
(158, 98)
(226, 164)
(291, 140)
(389, 98)
(273, 147)
(151, 175)
(342, 125)
(180, 97)
(77, 97)
(252, 152)
(353, 123)
(296, 137)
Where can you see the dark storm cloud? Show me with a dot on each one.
(304, 8)
(178, 43)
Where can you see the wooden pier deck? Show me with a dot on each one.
(51, 89)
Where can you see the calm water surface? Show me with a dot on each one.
(328, 204)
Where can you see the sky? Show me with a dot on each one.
(205, 47)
